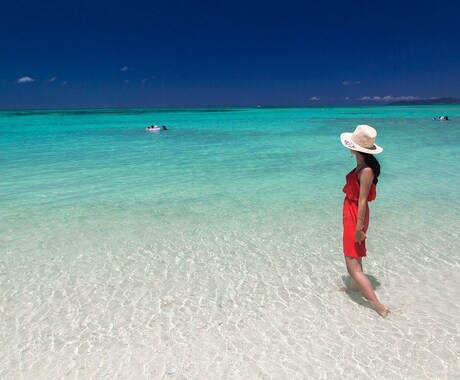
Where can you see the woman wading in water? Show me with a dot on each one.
(360, 188)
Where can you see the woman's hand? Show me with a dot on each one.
(360, 236)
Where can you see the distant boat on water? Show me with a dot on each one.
(441, 118)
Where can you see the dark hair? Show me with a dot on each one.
(372, 162)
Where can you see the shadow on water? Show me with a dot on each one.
(356, 296)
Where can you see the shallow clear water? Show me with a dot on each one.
(213, 250)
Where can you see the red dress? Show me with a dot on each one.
(352, 248)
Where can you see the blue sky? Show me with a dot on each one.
(59, 54)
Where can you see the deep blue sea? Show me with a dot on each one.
(213, 249)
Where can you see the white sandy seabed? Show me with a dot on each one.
(199, 300)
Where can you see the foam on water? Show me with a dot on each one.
(213, 250)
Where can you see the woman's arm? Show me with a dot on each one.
(365, 182)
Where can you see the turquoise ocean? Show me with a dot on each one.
(213, 250)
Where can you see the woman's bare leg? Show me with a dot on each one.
(359, 279)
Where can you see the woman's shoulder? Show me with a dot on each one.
(366, 173)
(367, 169)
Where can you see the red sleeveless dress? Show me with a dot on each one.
(352, 248)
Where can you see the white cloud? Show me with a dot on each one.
(145, 80)
(350, 82)
(314, 98)
(376, 98)
(408, 98)
(64, 83)
(124, 68)
(25, 80)
(388, 98)
(53, 79)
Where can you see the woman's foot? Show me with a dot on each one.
(380, 308)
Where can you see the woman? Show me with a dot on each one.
(360, 188)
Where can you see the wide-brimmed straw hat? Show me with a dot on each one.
(361, 140)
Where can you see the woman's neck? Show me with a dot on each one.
(359, 160)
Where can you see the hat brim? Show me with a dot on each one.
(347, 142)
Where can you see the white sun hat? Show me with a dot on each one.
(361, 140)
